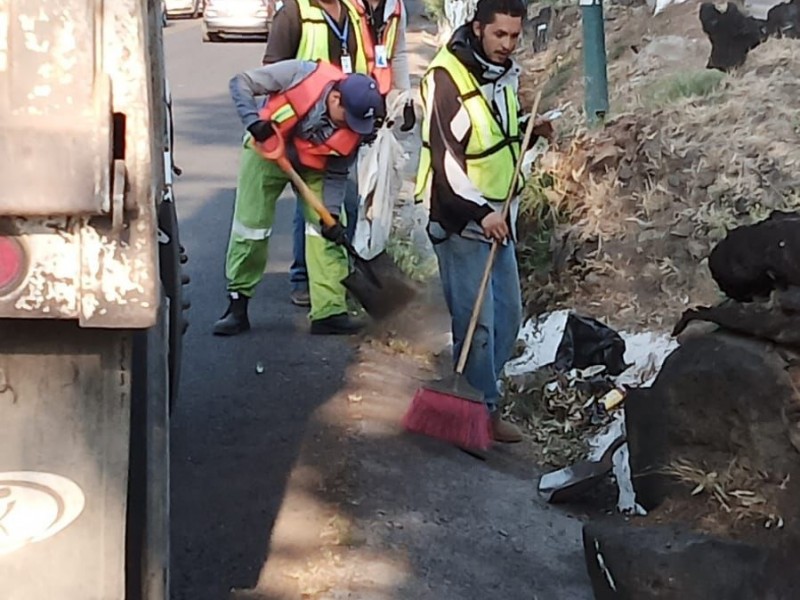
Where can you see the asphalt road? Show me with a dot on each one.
(236, 433)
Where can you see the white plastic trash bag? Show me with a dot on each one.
(380, 168)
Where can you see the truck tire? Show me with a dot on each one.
(171, 259)
(147, 520)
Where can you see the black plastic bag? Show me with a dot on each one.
(587, 342)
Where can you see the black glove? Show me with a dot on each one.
(409, 117)
(335, 233)
(261, 130)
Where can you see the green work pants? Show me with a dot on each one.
(260, 184)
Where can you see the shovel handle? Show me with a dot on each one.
(278, 155)
(476, 309)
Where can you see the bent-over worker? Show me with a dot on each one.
(324, 115)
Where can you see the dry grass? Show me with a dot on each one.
(648, 196)
(742, 495)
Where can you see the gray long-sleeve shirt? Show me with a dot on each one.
(250, 89)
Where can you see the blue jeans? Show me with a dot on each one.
(298, 275)
(461, 265)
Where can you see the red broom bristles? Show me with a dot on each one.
(449, 418)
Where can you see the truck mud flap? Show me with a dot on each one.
(64, 449)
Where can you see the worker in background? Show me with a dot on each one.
(324, 115)
(374, 34)
(383, 37)
(471, 140)
(327, 30)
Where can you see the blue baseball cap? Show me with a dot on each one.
(362, 102)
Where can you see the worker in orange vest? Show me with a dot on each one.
(324, 115)
(347, 34)
(383, 40)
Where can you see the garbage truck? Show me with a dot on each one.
(92, 300)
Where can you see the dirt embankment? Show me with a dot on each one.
(619, 222)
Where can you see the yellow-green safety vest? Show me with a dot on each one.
(314, 32)
(491, 153)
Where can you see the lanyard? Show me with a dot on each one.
(342, 35)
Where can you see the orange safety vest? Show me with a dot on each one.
(382, 75)
(289, 108)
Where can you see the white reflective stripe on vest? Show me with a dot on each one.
(250, 233)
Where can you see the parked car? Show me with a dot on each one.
(184, 8)
(237, 17)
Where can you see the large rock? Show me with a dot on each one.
(783, 20)
(716, 397)
(731, 33)
(776, 320)
(753, 260)
(628, 562)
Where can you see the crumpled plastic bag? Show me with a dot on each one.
(588, 342)
(380, 167)
(658, 6)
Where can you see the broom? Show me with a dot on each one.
(451, 409)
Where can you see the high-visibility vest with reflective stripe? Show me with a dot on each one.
(383, 75)
(491, 153)
(315, 32)
(287, 109)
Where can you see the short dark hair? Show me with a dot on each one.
(487, 9)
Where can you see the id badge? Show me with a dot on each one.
(347, 65)
(381, 57)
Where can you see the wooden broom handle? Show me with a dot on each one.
(476, 309)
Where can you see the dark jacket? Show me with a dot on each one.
(284, 36)
(456, 204)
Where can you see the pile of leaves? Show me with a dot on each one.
(559, 410)
(631, 211)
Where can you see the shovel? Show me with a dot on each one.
(378, 284)
(567, 483)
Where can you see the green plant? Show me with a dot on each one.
(538, 219)
(683, 85)
(411, 260)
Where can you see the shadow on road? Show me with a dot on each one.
(237, 433)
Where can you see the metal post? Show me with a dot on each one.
(594, 60)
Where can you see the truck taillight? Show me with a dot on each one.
(12, 264)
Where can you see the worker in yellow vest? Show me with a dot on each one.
(470, 145)
(326, 30)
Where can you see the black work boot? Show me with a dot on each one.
(342, 324)
(235, 320)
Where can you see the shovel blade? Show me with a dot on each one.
(570, 482)
(380, 286)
